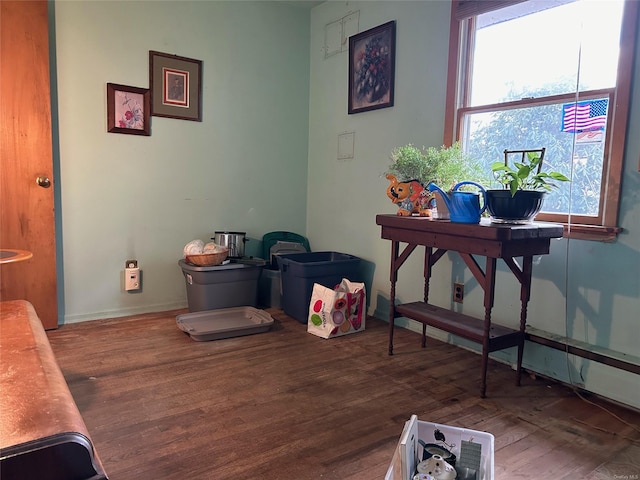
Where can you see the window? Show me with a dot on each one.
(553, 74)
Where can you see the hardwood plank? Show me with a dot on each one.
(288, 405)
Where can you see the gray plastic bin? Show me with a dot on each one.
(301, 270)
(224, 323)
(221, 286)
(269, 294)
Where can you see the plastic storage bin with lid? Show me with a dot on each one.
(270, 283)
(221, 286)
(301, 270)
(279, 243)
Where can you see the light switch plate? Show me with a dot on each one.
(346, 145)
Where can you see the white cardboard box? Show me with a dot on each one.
(465, 444)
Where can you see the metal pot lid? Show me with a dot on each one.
(230, 233)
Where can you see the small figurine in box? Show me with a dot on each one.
(437, 468)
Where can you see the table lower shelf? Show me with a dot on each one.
(465, 326)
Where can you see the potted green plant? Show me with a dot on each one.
(413, 168)
(444, 166)
(525, 185)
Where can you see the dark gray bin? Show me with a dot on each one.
(221, 286)
(301, 270)
(269, 288)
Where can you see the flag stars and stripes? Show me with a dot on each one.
(584, 116)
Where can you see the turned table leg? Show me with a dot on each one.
(428, 251)
(393, 277)
(489, 294)
(525, 295)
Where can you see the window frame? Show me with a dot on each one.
(604, 227)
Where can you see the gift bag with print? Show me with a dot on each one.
(337, 312)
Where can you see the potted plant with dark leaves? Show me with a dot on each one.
(525, 185)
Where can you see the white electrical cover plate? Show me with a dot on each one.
(346, 145)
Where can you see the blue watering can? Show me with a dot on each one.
(464, 207)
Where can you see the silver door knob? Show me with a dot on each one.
(43, 181)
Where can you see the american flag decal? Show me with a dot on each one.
(585, 116)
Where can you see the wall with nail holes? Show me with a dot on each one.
(588, 290)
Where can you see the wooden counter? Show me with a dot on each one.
(492, 241)
(42, 434)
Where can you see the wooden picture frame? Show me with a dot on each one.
(128, 110)
(176, 86)
(372, 56)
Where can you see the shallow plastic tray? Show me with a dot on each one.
(224, 323)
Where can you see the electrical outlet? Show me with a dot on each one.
(458, 292)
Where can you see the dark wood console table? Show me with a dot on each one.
(492, 241)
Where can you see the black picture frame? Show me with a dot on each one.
(372, 55)
(176, 86)
(128, 110)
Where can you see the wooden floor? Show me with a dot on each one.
(288, 405)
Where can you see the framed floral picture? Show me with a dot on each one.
(128, 110)
(176, 86)
(372, 68)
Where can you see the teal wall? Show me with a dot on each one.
(243, 168)
(265, 158)
(588, 290)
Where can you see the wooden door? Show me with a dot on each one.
(26, 212)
